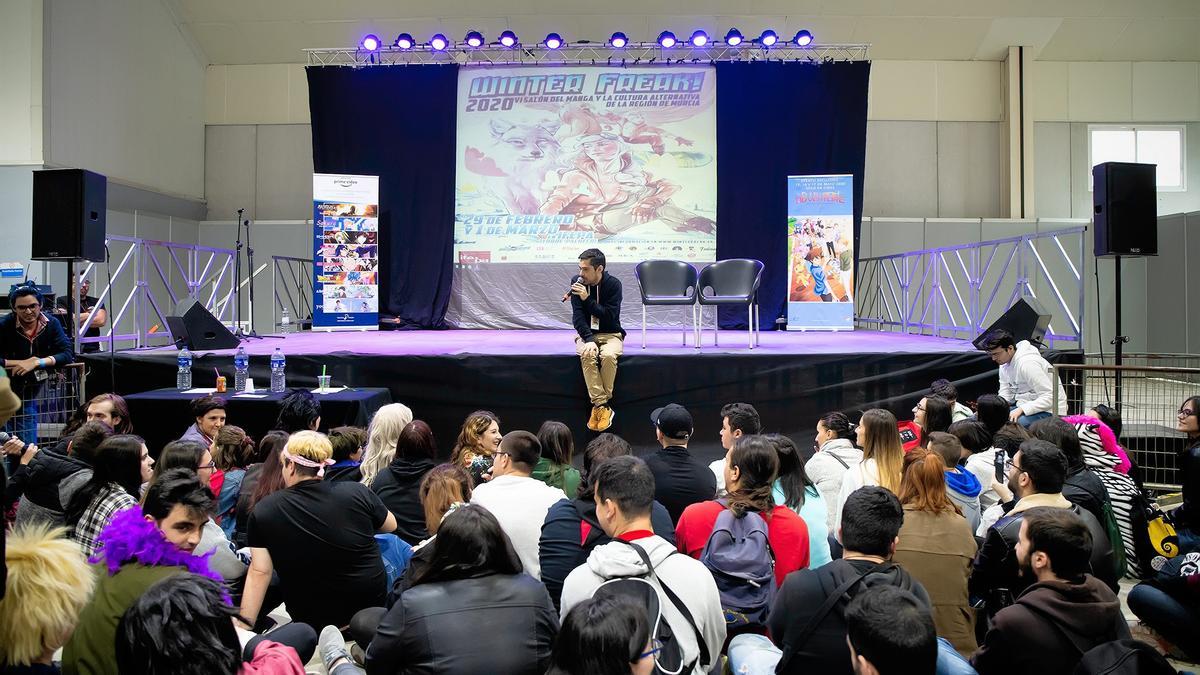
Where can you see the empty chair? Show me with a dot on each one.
(732, 282)
(668, 283)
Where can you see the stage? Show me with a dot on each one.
(527, 377)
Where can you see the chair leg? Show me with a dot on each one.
(750, 324)
(757, 324)
(696, 324)
(643, 326)
(716, 325)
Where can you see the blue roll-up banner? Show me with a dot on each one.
(345, 252)
(820, 239)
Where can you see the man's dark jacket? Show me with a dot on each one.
(50, 341)
(607, 309)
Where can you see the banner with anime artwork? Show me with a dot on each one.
(820, 240)
(554, 160)
(345, 252)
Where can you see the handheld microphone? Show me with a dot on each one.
(574, 280)
(5, 438)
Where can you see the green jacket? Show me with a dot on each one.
(563, 477)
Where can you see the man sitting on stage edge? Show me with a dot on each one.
(596, 313)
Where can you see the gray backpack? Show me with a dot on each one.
(739, 555)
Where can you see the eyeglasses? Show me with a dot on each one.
(210, 465)
(27, 308)
(1184, 412)
(919, 408)
(1010, 464)
(656, 646)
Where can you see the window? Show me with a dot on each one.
(1159, 145)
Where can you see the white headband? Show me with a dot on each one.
(304, 461)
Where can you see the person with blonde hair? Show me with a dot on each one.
(883, 457)
(477, 444)
(382, 434)
(49, 582)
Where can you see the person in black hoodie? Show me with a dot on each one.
(1082, 486)
(1061, 616)
(44, 485)
(397, 485)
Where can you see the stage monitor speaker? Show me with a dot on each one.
(198, 329)
(1026, 320)
(1125, 209)
(68, 215)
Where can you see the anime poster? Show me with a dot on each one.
(554, 160)
(345, 252)
(820, 240)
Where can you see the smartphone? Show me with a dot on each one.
(1001, 456)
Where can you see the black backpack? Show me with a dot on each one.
(1123, 657)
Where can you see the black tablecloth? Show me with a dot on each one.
(162, 415)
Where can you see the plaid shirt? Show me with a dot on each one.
(104, 505)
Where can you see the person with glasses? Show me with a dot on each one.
(30, 343)
(607, 634)
(1187, 517)
(1025, 377)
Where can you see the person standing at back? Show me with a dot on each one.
(679, 480)
(737, 420)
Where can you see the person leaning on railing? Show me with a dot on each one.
(30, 343)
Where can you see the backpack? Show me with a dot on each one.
(738, 554)
(1113, 530)
(1123, 657)
(643, 591)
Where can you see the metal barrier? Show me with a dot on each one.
(292, 285)
(43, 416)
(952, 291)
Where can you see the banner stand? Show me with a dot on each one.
(820, 241)
(345, 252)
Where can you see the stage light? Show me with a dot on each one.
(666, 39)
(474, 39)
(439, 42)
(618, 40)
(734, 37)
(803, 38)
(370, 43)
(768, 38)
(699, 38)
(508, 38)
(404, 41)
(553, 41)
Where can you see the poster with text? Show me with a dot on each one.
(554, 160)
(345, 252)
(820, 241)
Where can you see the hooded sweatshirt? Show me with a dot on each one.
(1026, 380)
(689, 579)
(962, 487)
(45, 486)
(397, 487)
(826, 469)
(1049, 628)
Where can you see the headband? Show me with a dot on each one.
(304, 461)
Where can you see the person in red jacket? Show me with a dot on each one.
(750, 469)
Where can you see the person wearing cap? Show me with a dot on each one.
(320, 537)
(679, 479)
(596, 315)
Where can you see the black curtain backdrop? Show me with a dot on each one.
(399, 124)
(773, 120)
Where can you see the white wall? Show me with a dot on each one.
(21, 73)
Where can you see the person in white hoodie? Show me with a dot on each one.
(624, 490)
(835, 455)
(1025, 377)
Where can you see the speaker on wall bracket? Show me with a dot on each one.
(69, 215)
(196, 328)
(1124, 209)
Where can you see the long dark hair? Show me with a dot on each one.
(792, 476)
(939, 415)
(270, 477)
(557, 443)
(755, 458)
(600, 636)
(1195, 403)
(118, 460)
(470, 543)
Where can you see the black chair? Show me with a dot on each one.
(731, 282)
(668, 283)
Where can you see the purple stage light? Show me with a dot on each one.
(474, 39)
(768, 38)
(666, 39)
(439, 42)
(554, 41)
(734, 37)
(404, 41)
(803, 38)
(508, 38)
(618, 40)
(370, 43)
(699, 38)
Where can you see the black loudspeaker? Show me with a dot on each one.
(195, 327)
(1026, 320)
(68, 215)
(1125, 209)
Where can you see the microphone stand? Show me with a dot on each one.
(237, 279)
(250, 280)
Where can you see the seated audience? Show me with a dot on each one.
(793, 489)
(49, 582)
(624, 494)
(184, 624)
(945, 389)
(1170, 606)
(737, 420)
(808, 633)
(993, 411)
(121, 465)
(1005, 444)
(750, 470)
(679, 479)
(978, 458)
(604, 635)
(554, 468)
(1082, 486)
(478, 440)
(311, 526)
(382, 435)
(349, 445)
(1111, 417)
(937, 546)
(232, 452)
(1187, 516)
(883, 457)
(571, 530)
(519, 501)
(299, 411)
(1064, 613)
(890, 631)
(1025, 377)
(962, 487)
(398, 483)
(111, 409)
(835, 455)
(44, 485)
(932, 413)
(261, 479)
(209, 414)
(1125, 498)
(1106, 436)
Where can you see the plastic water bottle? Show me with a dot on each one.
(183, 378)
(241, 369)
(278, 366)
(285, 322)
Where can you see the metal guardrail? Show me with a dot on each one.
(292, 286)
(952, 291)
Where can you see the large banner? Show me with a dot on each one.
(554, 160)
(345, 251)
(820, 240)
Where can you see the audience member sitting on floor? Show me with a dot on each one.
(382, 435)
(49, 582)
(890, 631)
(1005, 443)
(807, 624)
(519, 501)
(313, 527)
(608, 634)
(978, 458)
(183, 624)
(44, 486)
(140, 548)
(299, 411)
(737, 420)
(1187, 517)
(937, 546)
(835, 454)
(348, 445)
(1125, 498)
(793, 489)
(262, 479)
(1064, 613)
(232, 452)
(111, 409)
(572, 531)
(624, 493)
(554, 468)
(398, 483)
(962, 487)
(1082, 486)
(883, 457)
(932, 414)
(946, 389)
(121, 465)
(679, 479)
(1106, 442)
(1170, 606)
(1111, 418)
(209, 414)
(1025, 377)
(750, 470)
(993, 411)
(478, 440)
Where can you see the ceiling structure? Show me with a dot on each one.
(276, 31)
